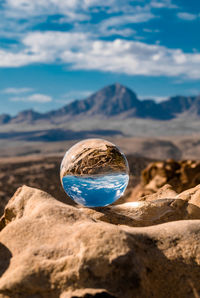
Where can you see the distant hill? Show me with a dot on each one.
(112, 101)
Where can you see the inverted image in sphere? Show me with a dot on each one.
(94, 173)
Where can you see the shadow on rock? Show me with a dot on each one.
(5, 256)
(160, 272)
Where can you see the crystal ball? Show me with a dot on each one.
(94, 173)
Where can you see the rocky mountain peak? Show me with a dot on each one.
(114, 100)
(116, 89)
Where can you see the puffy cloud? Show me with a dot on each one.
(77, 8)
(73, 9)
(74, 12)
(187, 16)
(81, 51)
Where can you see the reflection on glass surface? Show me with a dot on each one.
(94, 173)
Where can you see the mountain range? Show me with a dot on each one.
(112, 101)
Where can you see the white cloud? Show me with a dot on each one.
(77, 9)
(74, 12)
(113, 25)
(162, 4)
(18, 8)
(128, 6)
(24, 57)
(187, 16)
(81, 51)
(16, 90)
(41, 98)
(154, 97)
(127, 19)
(121, 32)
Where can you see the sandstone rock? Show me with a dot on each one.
(35, 171)
(51, 249)
(138, 193)
(179, 176)
(141, 214)
(191, 195)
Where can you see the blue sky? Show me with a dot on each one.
(54, 51)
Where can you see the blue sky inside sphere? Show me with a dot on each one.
(53, 51)
(95, 190)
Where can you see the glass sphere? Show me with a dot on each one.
(94, 173)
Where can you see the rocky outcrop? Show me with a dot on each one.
(51, 249)
(179, 175)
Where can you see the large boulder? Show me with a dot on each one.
(51, 249)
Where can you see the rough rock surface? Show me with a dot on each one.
(180, 175)
(51, 249)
